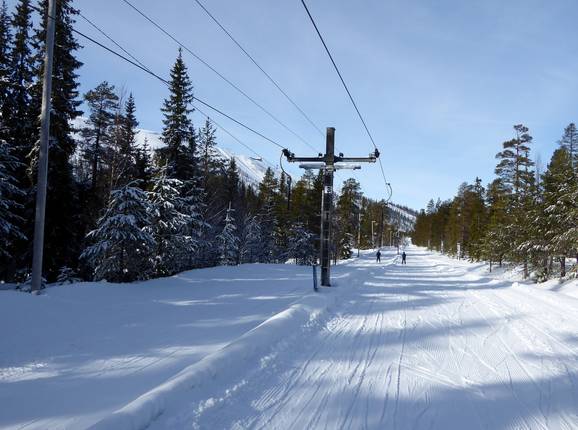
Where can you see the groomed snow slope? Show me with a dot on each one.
(435, 344)
(77, 353)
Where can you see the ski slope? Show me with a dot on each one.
(438, 343)
(435, 344)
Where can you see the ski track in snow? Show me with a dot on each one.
(435, 344)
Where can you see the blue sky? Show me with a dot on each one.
(440, 83)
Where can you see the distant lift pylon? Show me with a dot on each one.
(328, 163)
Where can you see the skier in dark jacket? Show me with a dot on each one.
(378, 255)
(403, 258)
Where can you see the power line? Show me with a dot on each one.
(92, 24)
(228, 81)
(164, 81)
(196, 107)
(344, 86)
(228, 33)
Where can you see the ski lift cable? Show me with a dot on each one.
(214, 70)
(345, 86)
(228, 33)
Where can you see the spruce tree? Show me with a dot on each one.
(232, 182)
(122, 243)
(9, 205)
(250, 249)
(125, 170)
(301, 247)
(269, 233)
(268, 187)
(20, 118)
(569, 142)
(143, 166)
(178, 133)
(98, 136)
(559, 207)
(197, 228)
(228, 241)
(210, 161)
(346, 217)
(169, 226)
(5, 64)
(477, 219)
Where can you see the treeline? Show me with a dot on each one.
(121, 211)
(524, 216)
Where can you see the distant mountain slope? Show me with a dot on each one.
(251, 170)
(401, 216)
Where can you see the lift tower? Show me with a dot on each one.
(328, 163)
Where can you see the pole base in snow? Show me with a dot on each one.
(315, 287)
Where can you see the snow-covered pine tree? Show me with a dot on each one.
(268, 224)
(17, 112)
(346, 246)
(193, 205)
(228, 241)
(67, 275)
(122, 246)
(301, 246)
(9, 192)
(559, 207)
(5, 43)
(169, 226)
(251, 247)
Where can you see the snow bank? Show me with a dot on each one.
(224, 364)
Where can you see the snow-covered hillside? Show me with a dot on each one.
(401, 217)
(251, 169)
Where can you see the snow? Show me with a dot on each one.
(77, 353)
(438, 343)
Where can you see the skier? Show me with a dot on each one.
(378, 255)
(403, 257)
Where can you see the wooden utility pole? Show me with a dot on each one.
(328, 163)
(42, 180)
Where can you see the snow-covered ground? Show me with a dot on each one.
(437, 343)
(76, 353)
